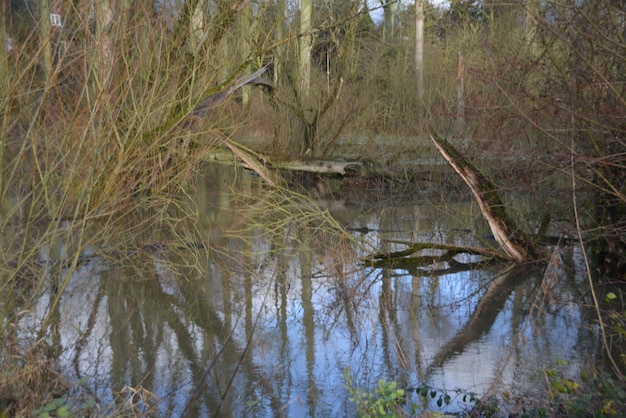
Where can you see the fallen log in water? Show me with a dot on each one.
(344, 168)
(228, 154)
(448, 252)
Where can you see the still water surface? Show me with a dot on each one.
(266, 318)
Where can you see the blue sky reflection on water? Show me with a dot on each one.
(280, 325)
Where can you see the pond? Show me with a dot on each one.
(271, 309)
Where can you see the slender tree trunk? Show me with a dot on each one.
(4, 85)
(389, 18)
(419, 48)
(280, 35)
(4, 42)
(246, 32)
(306, 44)
(198, 32)
(105, 42)
(45, 36)
(531, 24)
(460, 100)
(310, 115)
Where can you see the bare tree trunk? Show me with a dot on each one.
(280, 34)
(532, 12)
(310, 115)
(197, 32)
(4, 85)
(389, 18)
(460, 99)
(531, 24)
(4, 50)
(45, 36)
(419, 48)
(246, 32)
(105, 42)
(306, 44)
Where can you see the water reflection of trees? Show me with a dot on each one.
(271, 312)
(147, 321)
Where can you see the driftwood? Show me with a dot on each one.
(344, 168)
(511, 239)
(254, 161)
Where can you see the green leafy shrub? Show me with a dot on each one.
(385, 401)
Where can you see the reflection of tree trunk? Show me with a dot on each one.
(227, 353)
(483, 317)
(250, 318)
(283, 287)
(385, 316)
(387, 312)
(121, 308)
(87, 332)
(308, 323)
(416, 284)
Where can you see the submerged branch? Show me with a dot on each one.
(393, 258)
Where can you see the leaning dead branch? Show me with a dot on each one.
(512, 240)
(215, 100)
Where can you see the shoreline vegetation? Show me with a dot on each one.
(109, 111)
